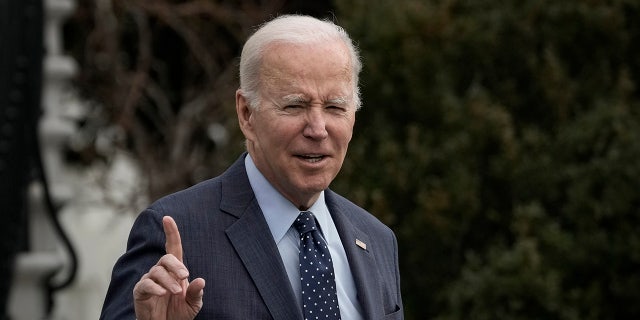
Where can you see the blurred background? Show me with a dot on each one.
(499, 140)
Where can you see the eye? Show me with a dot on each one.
(292, 107)
(336, 108)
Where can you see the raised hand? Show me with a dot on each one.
(164, 292)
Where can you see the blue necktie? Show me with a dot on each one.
(319, 298)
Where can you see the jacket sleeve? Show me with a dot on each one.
(144, 248)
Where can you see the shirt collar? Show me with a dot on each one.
(278, 211)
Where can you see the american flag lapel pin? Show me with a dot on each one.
(361, 244)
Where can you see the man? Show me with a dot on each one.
(243, 231)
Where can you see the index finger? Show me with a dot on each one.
(173, 244)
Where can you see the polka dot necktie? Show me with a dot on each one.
(319, 298)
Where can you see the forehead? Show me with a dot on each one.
(324, 66)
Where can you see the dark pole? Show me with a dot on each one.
(20, 91)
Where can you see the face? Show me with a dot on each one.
(299, 134)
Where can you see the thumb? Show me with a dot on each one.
(195, 291)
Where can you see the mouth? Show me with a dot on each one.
(311, 158)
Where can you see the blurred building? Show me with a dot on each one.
(65, 225)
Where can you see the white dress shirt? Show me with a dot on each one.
(280, 214)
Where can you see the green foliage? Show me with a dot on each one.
(500, 140)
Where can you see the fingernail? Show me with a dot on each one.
(176, 288)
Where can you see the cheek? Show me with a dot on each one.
(346, 131)
(277, 134)
(264, 125)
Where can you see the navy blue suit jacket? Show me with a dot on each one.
(227, 242)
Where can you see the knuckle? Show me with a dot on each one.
(155, 271)
(142, 285)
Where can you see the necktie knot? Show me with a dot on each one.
(306, 222)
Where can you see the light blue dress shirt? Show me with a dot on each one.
(280, 214)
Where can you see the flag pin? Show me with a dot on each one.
(361, 244)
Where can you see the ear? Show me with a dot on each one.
(245, 113)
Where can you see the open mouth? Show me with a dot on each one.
(311, 157)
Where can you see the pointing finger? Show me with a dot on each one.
(174, 244)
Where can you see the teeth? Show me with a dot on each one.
(312, 158)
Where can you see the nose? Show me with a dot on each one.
(316, 125)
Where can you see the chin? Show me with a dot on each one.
(313, 188)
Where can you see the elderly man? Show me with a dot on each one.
(268, 236)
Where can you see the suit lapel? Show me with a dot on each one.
(361, 261)
(254, 244)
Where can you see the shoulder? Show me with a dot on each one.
(358, 216)
(188, 199)
(183, 206)
(205, 195)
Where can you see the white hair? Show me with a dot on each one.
(291, 29)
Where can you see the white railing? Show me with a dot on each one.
(98, 202)
(28, 299)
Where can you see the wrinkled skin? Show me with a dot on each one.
(165, 292)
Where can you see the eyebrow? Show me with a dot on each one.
(295, 98)
(339, 100)
(301, 99)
